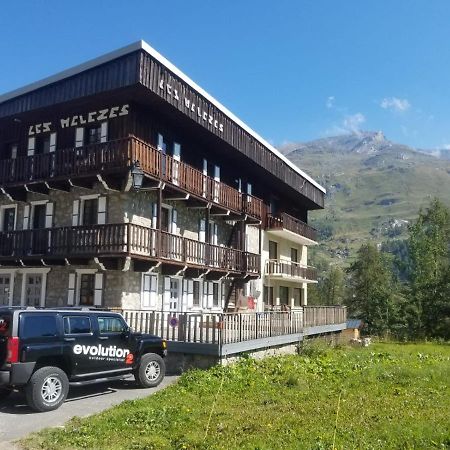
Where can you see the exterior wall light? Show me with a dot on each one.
(137, 175)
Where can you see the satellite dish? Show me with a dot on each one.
(257, 294)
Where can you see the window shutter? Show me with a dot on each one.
(71, 290)
(202, 230)
(166, 294)
(190, 294)
(215, 230)
(205, 177)
(204, 301)
(49, 215)
(216, 183)
(217, 173)
(184, 298)
(75, 213)
(31, 146)
(174, 221)
(14, 151)
(210, 294)
(79, 137)
(104, 132)
(101, 211)
(154, 215)
(153, 291)
(26, 217)
(146, 281)
(52, 142)
(98, 289)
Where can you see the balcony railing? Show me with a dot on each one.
(287, 222)
(124, 239)
(117, 156)
(277, 267)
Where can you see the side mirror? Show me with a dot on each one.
(126, 332)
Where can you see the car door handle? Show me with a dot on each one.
(69, 339)
(103, 338)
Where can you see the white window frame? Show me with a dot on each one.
(200, 300)
(12, 274)
(82, 199)
(34, 271)
(2, 215)
(78, 273)
(151, 308)
(33, 204)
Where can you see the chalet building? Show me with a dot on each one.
(124, 184)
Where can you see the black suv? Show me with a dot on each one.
(44, 351)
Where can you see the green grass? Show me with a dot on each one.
(391, 396)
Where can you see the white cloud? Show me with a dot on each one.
(330, 102)
(446, 146)
(350, 124)
(395, 104)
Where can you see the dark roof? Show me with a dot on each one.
(355, 323)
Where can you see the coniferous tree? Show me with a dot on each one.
(372, 290)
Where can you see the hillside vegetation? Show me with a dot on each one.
(374, 188)
(382, 397)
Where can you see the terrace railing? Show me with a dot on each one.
(279, 267)
(286, 221)
(227, 328)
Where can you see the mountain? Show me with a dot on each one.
(375, 188)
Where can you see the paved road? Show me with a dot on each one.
(17, 420)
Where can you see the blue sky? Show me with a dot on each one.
(292, 70)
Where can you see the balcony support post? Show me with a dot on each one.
(158, 222)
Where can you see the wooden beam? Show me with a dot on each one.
(59, 185)
(37, 188)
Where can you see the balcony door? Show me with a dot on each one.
(33, 289)
(5, 286)
(273, 250)
(9, 219)
(39, 236)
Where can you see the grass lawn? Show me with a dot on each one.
(383, 396)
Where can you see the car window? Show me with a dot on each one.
(5, 325)
(38, 326)
(77, 325)
(111, 325)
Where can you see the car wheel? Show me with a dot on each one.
(4, 393)
(151, 370)
(47, 389)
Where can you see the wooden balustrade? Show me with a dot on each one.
(290, 223)
(227, 328)
(120, 239)
(118, 155)
(278, 267)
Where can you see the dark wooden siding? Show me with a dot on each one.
(115, 74)
(151, 74)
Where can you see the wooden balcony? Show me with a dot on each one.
(112, 161)
(280, 269)
(122, 240)
(289, 227)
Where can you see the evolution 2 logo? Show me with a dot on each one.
(111, 353)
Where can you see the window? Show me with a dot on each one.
(77, 325)
(87, 289)
(42, 144)
(8, 219)
(268, 294)
(38, 326)
(10, 151)
(93, 135)
(196, 294)
(297, 296)
(149, 290)
(111, 325)
(216, 294)
(294, 255)
(284, 295)
(5, 326)
(273, 250)
(90, 211)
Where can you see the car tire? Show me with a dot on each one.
(47, 389)
(4, 393)
(151, 370)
